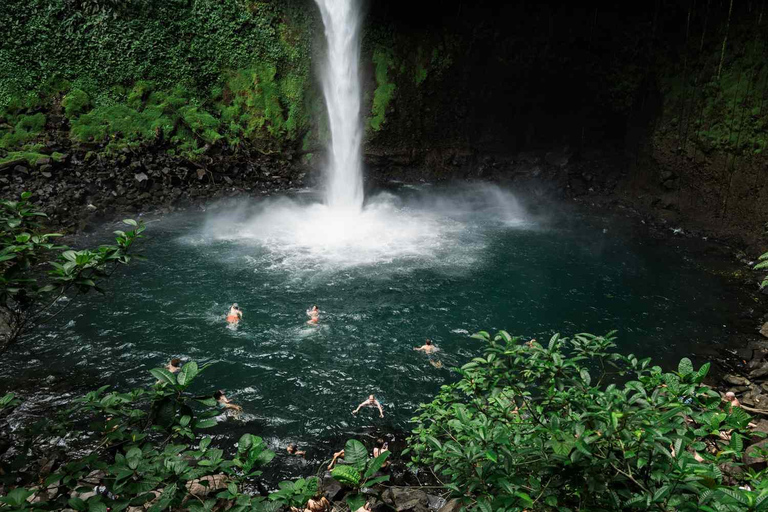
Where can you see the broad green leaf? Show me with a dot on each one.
(163, 376)
(355, 501)
(685, 367)
(356, 454)
(346, 475)
(187, 373)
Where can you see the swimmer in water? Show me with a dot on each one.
(314, 315)
(292, 449)
(371, 402)
(427, 348)
(223, 402)
(235, 314)
(174, 366)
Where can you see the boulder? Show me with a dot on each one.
(761, 371)
(452, 506)
(736, 380)
(43, 160)
(331, 489)
(752, 456)
(764, 330)
(406, 500)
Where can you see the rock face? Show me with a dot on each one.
(736, 380)
(406, 499)
(88, 188)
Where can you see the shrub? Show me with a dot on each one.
(26, 293)
(550, 427)
(148, 451)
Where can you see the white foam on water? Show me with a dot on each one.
(430, 230)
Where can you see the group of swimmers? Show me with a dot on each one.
(235, 314)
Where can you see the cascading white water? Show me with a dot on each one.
(341, 87)
(431, 228)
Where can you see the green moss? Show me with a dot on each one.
(75, 103)
(30, 156)
(25, 129)
(385, 90)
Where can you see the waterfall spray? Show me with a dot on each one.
(341, 87)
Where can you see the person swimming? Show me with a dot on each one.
(314, 315)
(174, 365)
(371, 402)
(292, 449)
(223, 402)
(427, 348)
(235, 314)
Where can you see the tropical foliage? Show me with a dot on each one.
(35, 272)
(359, 471)
(148, 450)
(573, 425)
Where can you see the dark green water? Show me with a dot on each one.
(427, 264)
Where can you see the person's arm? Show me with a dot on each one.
(229, 405)
(359, 407)
(418, 348)
(381, 410)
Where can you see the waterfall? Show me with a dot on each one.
(341, 87)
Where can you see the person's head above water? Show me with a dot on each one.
(176, 362)
(235, 306)
(428, 342)
(219, 394)
(371, 398)
(292, 448)
(379, 443)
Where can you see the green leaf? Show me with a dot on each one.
(482, 335)
(77, 504)
(355, 454)
(377, 480)
(96, 506)
(187, 373)
(17, 497)
(685, 367)
(375, 464)
(163, 376)
(130, 222)
(585, 376)
(346, 475)
(355, 501)
(206, 423)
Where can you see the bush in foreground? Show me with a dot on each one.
(573, 425)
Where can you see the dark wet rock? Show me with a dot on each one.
(406, 499)
(752, 457)
(435, 502)
(759, 372)
(736, 380)
(43, 160)
(331, 489)
(758, 344)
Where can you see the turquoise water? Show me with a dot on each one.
(437, 264)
